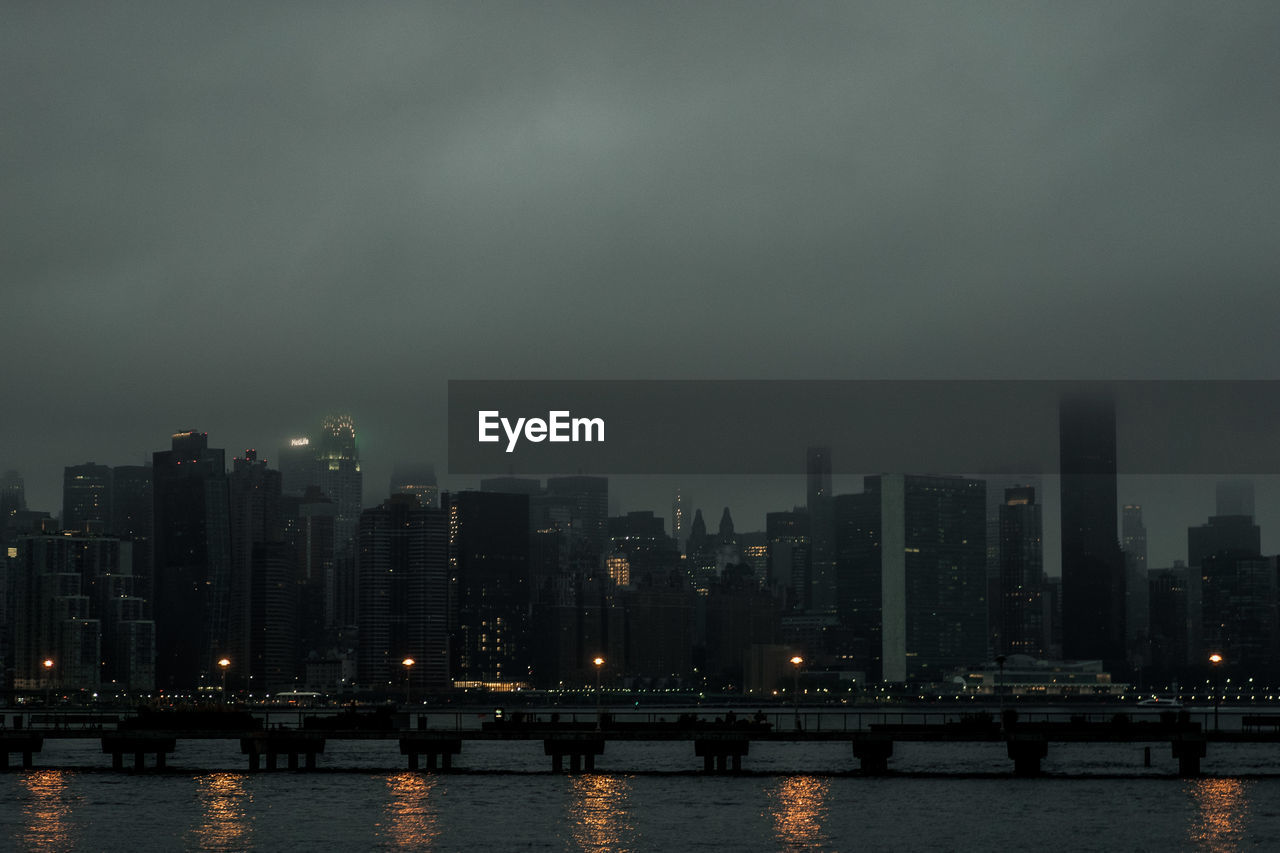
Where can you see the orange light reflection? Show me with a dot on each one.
(224, 804)
(600, 814)
(46, 811)
(1223, 805)
(800, 811)
(411, 814)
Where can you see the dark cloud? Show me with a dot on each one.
(237, 217)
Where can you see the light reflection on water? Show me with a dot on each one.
(1222, 812)
(45, 813)
(224, 808)
(412, 819)
(799, 810)
(601, 814)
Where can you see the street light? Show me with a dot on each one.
(796, 661)
(1000, 659)
(48, 681)
(1216, 660)
(599, 662)
(407, 663)
(224, 664)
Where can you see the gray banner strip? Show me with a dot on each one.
(926, 426)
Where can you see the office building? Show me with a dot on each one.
(1021, 603)
(192, 566)
(1137, 618)
(911, 575)
(402, 609)
(1093, 577)
(820, 590)
(133, 519)
(299, 465)
(340, 476)
(86, 498)
(262, 638)
(490, 588)
(417, 479)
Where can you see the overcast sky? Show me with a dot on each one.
(238, 217)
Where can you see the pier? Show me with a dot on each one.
(432, 741)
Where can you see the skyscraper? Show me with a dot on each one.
(1093, 581)
(1235, 497)
(12, 495)
(340, 477)
(1137, 617)
(192, 560)
(911, 574)
(418, 479)
(86, 498)
(309, 531)
(679, 520)
(587, 498)
(402, 609)
(787, 538)
(1228, 584)
(820, 595)
(133, 519)
(299, 466)
(60, 585)
(262, 634)
(489, 577)
(1021, 603)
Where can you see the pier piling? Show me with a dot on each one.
(1027, 749)
(720, 754)
(873, 753)
(1189, 749)
(25, 744)
(582, 751)
(277, 742)
(139, 746)
(431, 748)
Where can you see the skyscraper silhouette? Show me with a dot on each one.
(192, 560)
(490, 589)
(403, 603)
(911, 572)
(820, 593)
(339, 474)
(1021, 602)
(1093, 582)
(86, 498)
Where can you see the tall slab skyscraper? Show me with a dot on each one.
(1093, 581)
(820, 594)
(192, 560)
(911, 574)
(403, 605)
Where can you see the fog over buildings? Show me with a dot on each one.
(239, 220)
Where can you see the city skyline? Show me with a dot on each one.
(1171, 502)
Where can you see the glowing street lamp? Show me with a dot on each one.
(599, 664)
(1216, 660)
(797, 662)
(224, 664)
(407, 663)
(48, 680)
